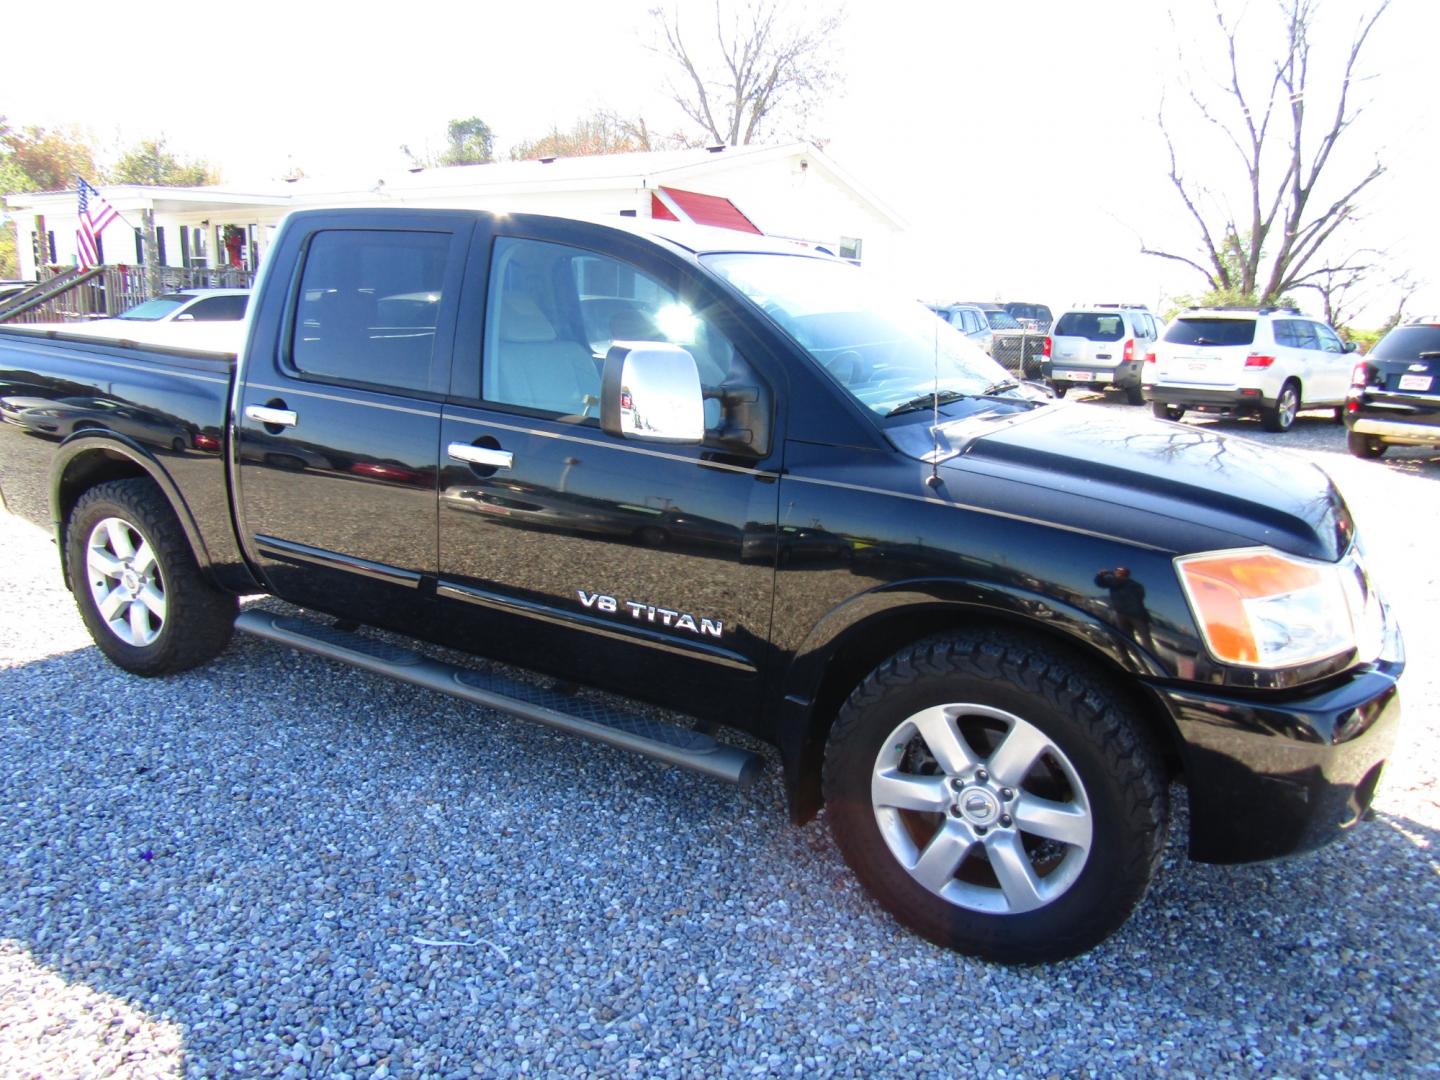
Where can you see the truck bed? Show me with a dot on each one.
(162, 409)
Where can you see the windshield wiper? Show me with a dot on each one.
(1000, 387)
(926, 401)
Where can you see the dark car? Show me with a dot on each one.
(1395, 391)
(1035, 317)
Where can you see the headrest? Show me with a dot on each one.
(522, 321)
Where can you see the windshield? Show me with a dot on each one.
(1002, 320)
(884, 349)
(154, 310)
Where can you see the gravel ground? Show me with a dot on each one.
(278, 866)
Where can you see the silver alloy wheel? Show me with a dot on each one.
(1001, 828)
(1288, 405)
(125, 581)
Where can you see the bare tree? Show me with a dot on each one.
(1264, 224)
(762, 59)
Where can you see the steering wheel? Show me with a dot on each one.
(847, 367)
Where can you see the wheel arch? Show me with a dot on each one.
(85, 460)
(856, 637)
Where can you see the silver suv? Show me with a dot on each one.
(1270, 362)
(1099, 346)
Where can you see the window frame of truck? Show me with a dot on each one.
(358, 444)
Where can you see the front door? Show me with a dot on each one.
(337, 433)
(646, 568)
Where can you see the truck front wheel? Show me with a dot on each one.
(136, 582)
(996, 796)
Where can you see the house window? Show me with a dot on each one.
(160, 245)
(139, 248)
(850, 248)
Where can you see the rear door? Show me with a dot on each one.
(642, 567)
(337, 429)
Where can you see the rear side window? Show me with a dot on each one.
(1203, 331)
(1092, 325)
(367, 307)
(1407, 343)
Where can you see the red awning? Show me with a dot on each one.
(699, 209)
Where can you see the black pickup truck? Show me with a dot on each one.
(738, 480)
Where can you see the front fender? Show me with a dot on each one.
(874, 624)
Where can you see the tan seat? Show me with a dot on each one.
(537, 370)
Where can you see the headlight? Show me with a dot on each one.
(1259, 608)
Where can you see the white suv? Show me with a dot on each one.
(1098, 347)
(1270, 362)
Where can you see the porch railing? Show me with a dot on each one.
(110, 290)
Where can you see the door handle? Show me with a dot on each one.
(264, 414)
(481, 455)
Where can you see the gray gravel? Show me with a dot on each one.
(276, 866)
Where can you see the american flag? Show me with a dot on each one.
(95, 214)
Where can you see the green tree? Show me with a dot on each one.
(468, 142)
(471, 142)
(37, 159)
(149, 162)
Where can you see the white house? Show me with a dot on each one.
(791, 191)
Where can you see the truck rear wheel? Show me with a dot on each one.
(996, 796)
(136, 582)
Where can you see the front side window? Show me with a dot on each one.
(882, 348)
(348, 323)
(553, 313)
(1329, 340)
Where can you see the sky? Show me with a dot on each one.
(1017, 139)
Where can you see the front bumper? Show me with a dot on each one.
(1273, 777)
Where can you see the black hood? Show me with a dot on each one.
(1172, 486)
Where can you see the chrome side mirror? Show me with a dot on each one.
(651, 390)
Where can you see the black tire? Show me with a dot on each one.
(1162, 411)
(1058, 388)
(1281, 415)
(1085, 726)
(197, 618)
(1365, 446)
(1134, 395)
